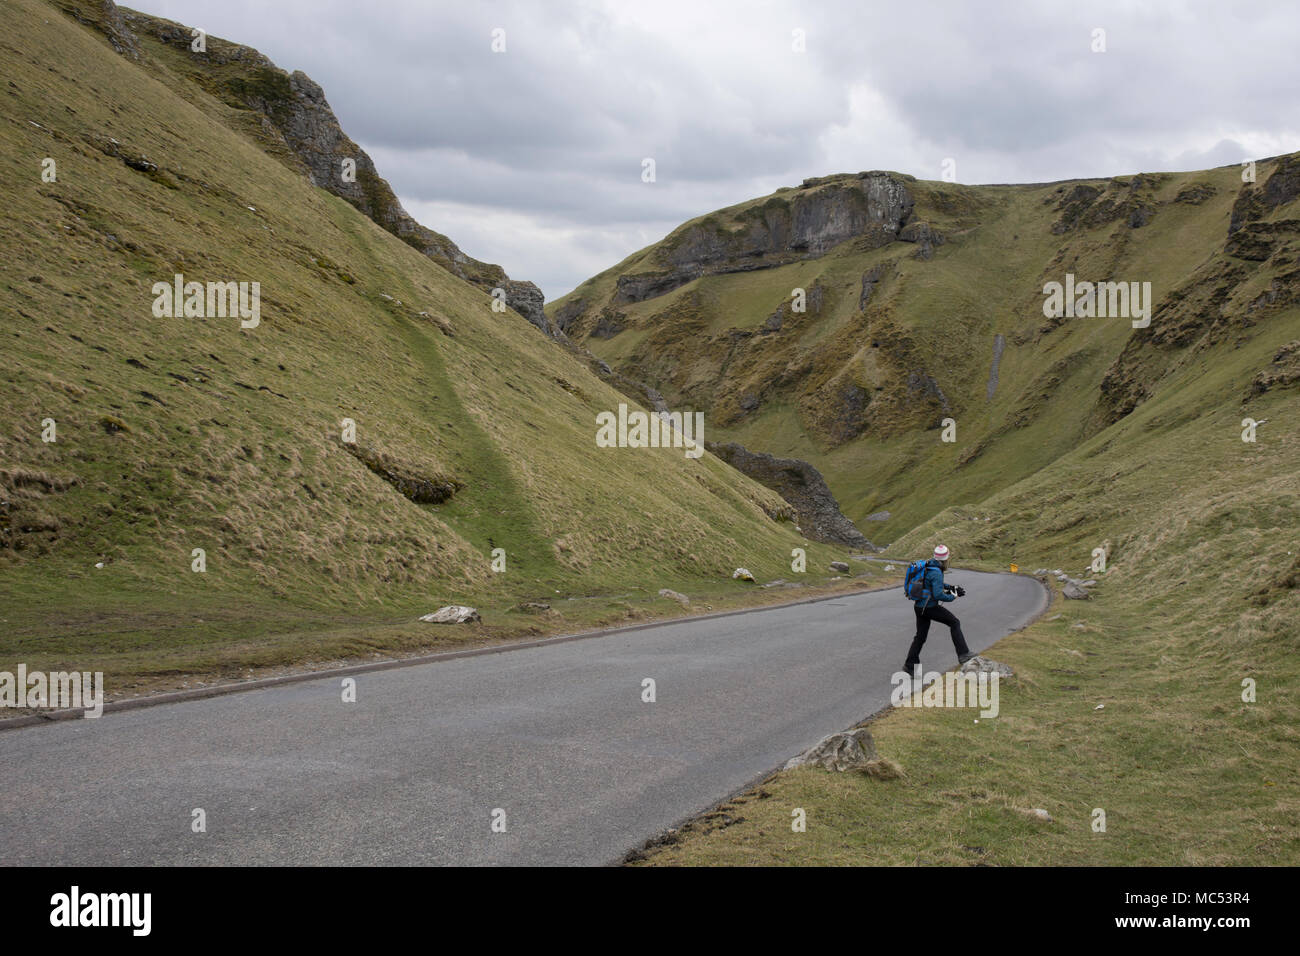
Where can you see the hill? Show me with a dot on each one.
(136, 439)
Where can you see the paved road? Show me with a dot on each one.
(556, 736)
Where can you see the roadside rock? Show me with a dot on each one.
(848, 750)
(452, 614)
(677, 596)
(983, 665)
(840, 566)
(742, 574)
(1074, 592)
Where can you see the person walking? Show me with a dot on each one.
(924, 585)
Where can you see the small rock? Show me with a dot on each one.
(1074, 592)
(1099, 707)
(677, 596)
(1040, 571)
(99, 564)
(742, 574)
(889, 567)
(534, 606)
(983, 665)
(1041, 814)
(775, 584)
(452, 614)
(1088, 584)
(848, 750)
(841, 566)
(878, 516)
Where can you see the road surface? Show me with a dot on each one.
(556, 738)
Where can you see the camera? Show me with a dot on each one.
(956, 589)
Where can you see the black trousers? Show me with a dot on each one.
(923, 618)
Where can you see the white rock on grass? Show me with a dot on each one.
(742, 574)
(980, 664)
(677, 596)
(452, 614)
(848, 750)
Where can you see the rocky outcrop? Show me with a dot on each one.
(1087, 206)
(423, 489)
(804, 224)
(802, 486)
(299, 127)
(104, 16)
(1255, 202)
(1282, 372)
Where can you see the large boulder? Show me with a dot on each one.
(847, 750)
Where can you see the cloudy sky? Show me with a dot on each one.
(532, 157)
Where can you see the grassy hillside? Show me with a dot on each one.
(860, 388)
(180, 433)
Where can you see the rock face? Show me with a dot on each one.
(802, 486)
(849, 750)
(299, 126)
(104, 16)
(872, 206)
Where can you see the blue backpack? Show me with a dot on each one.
(914, 583)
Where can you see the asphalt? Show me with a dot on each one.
(555, 740)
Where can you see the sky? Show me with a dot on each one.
(532, 154)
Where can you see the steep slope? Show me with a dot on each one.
(843, 321)
(134, 439)
(294, 122)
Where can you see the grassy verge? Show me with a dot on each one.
(1131, 703)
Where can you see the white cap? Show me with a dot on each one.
(941, 553)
